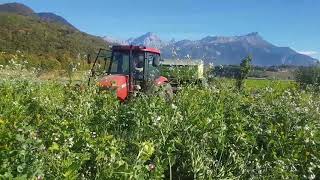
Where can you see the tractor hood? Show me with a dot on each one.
(119, 83)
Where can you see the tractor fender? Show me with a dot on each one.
(161, 81)
(119, 83)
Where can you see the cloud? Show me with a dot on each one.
(309, 53)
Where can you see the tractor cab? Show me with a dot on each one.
(128, 69)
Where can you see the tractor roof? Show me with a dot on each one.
(139, 48)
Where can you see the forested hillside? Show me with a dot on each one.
(41, 40)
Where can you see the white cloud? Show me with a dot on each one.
(309, 53)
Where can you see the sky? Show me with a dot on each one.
(288, 23)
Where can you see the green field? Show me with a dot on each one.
(263, 83)
(53, 130)
(257, 84)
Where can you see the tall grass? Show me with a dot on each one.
(53, 131)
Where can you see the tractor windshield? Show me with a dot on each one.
(120, 63)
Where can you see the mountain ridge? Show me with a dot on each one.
(52, 17)
(21, 9)
(17, 8)
(149, 39)
(226, 49)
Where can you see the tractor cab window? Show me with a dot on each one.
(138, 64)
(153, 71)
(120, 63)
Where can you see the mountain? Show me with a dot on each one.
(24, 10)
(50, 41)
(114, 41)
(223, 49)
(53, 18)
(16, 8)
(149, 39)
(231, 50)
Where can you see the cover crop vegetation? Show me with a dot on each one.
(54, 131)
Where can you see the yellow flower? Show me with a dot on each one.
(147, 149)
(2, 121)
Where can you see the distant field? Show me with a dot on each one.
(263, 83)
(255, 84)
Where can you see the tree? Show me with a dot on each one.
(245, 68)
(308, 76)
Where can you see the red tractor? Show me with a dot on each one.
(130, 69)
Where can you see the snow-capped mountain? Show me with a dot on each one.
(224, 49)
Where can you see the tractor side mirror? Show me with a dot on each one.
(88, 58)
(156, 61)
